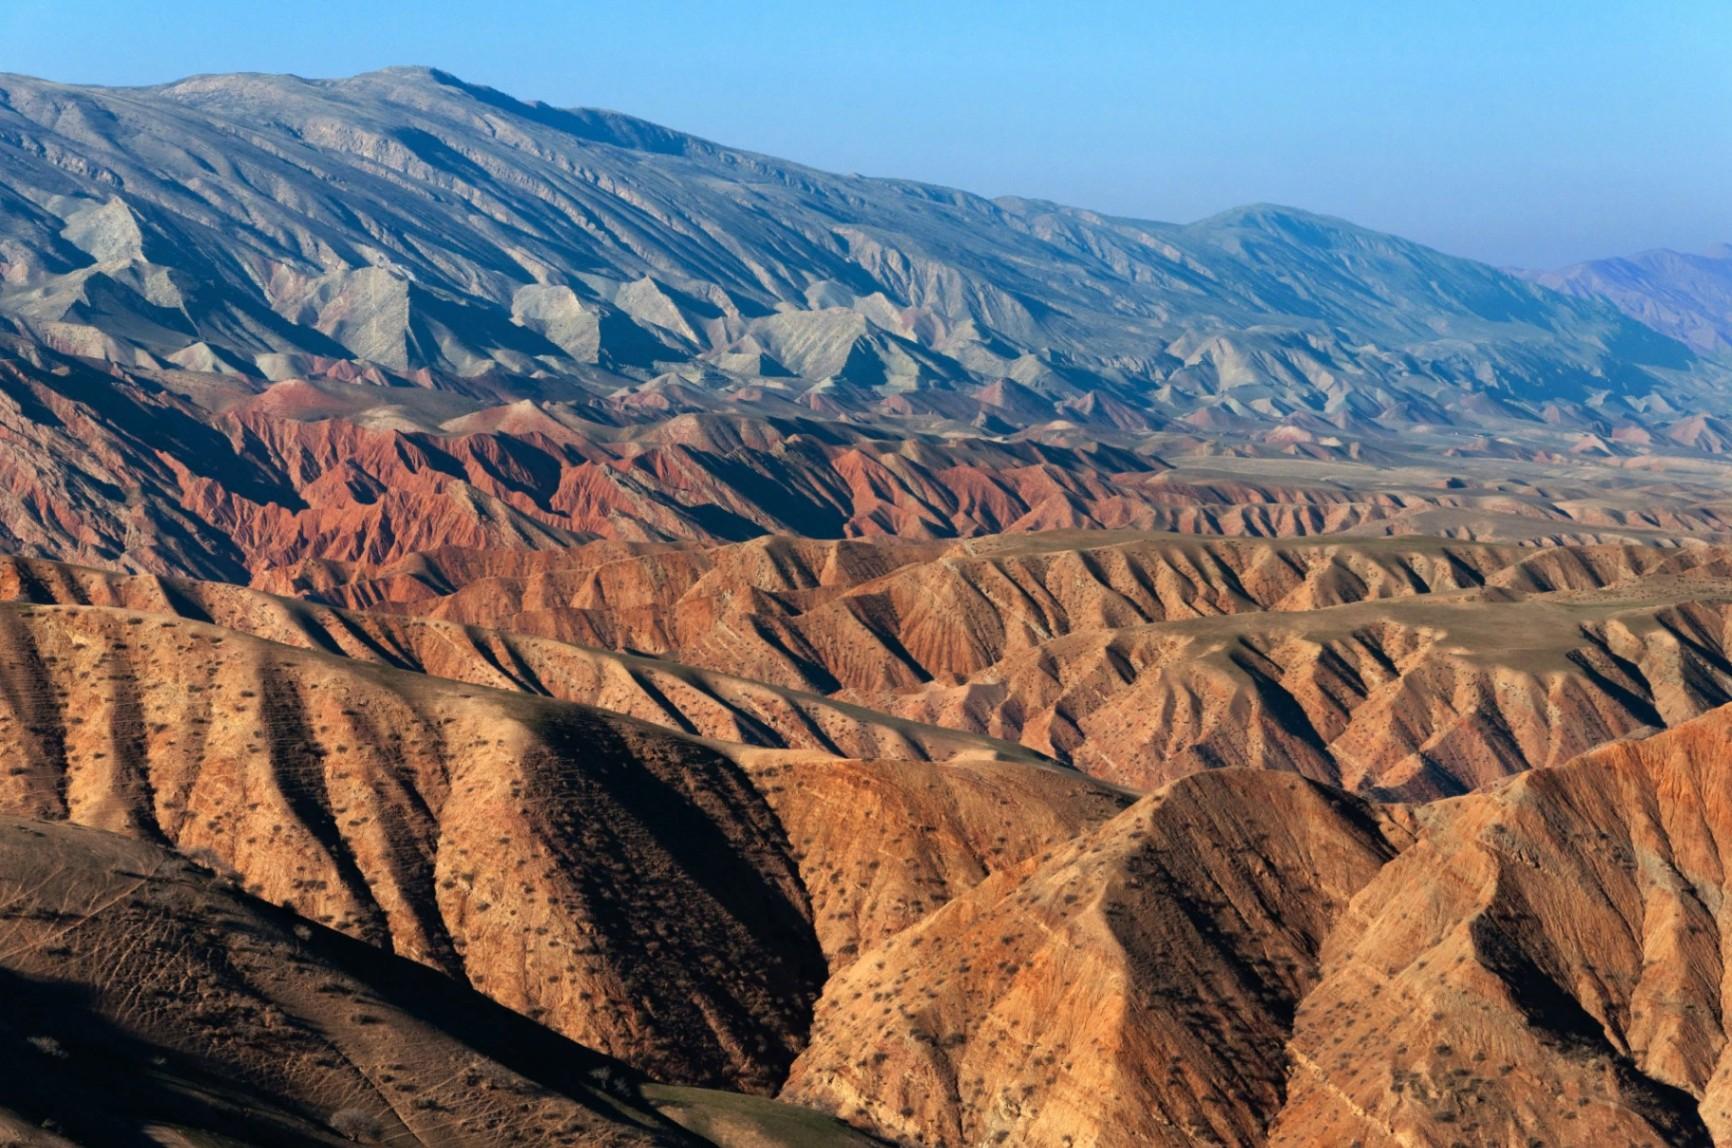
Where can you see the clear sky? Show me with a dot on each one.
(1530, 133)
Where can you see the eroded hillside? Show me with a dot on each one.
(942, 951)
(1247, 958)
(1407, 668)
(705, 703)
(151, 1002)
(548, 854)
(575, 615)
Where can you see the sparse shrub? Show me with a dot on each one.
(48, 1046)
(611, 1080)
(356, 1124)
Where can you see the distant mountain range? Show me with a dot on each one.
(1688, 297)
(257, 321)
(271, 226)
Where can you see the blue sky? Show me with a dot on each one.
(1529, 133)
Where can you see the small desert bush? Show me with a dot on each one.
(356, 1124)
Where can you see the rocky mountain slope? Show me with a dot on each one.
(579, 615)
(1426, 697)
(411, 221)
(938, 952)
(1405, 669)
(705, 703)
(642, 892)
(193, 474)
(119, 468)
(258, 322)
(543, 852)
(1135, 986)
(1561, 982)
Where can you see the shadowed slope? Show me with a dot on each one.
(1004, 951)
(1251, 958)
(141, 993)
(149, 1002)
(1547, 963)
(551, 855)
(883, 844)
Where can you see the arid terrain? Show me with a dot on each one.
(937, 951)
(886, 927)
(149, 1001)
(523, 626)
(1405, 667)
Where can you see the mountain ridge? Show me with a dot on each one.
(1006, 274)
(1687, 296)
(351, 320)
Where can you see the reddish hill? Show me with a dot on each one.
(1545, 963)
(219, 475)
(1250, 958)
(1134, 986)
(675, 903)
(709, 704)
(944, 952)
(1407, 668)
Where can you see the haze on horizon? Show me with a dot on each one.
(1538, 137)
